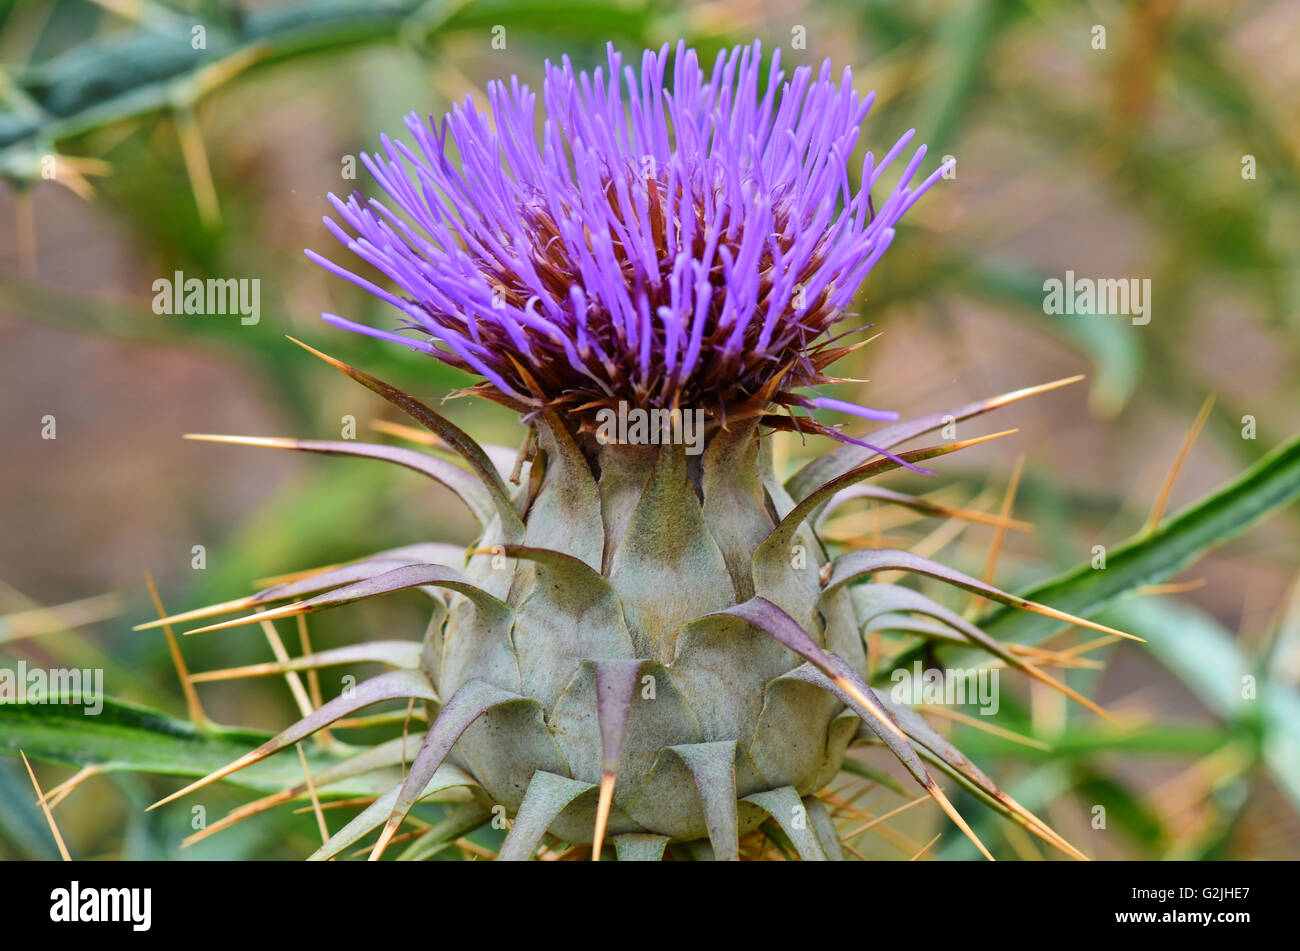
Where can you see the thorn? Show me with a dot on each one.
(976, 724)
(332, 361)
(406, 733)
(1035, 608)
(404, 837)
(385, 837)
(937, 794)
(1173, 587)
(1046, 657)
(315, 800)
(1020, 839)
(854, 833)
(64, 789)
(224, 607)
(192, 703)
(881, 714)
(60, 617)
(376, 719)
(274, 442)
(999, 534)
(210, 77)
(323, 735)
(603, 804)
(45, 807)
(197, 167)
(337, 803)
(1041, 828)
(1077, 649)
(401, 431)
(246, 760)
(291, 676)
(1158, 510)
(71, 174)
(473, 849)
(1074, 695)
(1000, 401)
(967, 443)
(854, 852)
(275, 614)
(272, 580)
(931, 544)
(241, 813)
(926, 848)
(982, 518)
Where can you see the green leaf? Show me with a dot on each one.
(126, 737)
(1282, 738)
(135, 72)
(1147, 559)
(21, 824)
(1170, 738)
(1123, 809)
(1192, 645)
(965, 40)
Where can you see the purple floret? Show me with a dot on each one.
(684, 244)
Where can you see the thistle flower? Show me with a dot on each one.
(663, 247)
(637, 645)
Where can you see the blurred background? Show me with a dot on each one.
(1155, 140)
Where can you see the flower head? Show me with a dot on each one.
(682, 241)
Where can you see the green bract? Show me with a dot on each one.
(641, 643)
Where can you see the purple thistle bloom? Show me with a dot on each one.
(668, 247)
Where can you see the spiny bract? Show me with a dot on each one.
(645, 642)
